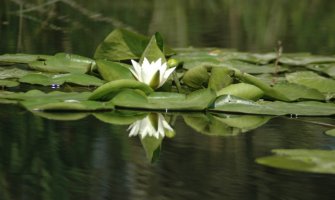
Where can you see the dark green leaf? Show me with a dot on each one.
(111, 71)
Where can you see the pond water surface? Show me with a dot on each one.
(87, 158)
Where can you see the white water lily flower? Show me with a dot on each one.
(153, 125)
(153, 74)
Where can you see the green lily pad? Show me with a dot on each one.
(107, 91)
(243, 90)
(328, 69)
(313, 161)
(37, 94)
(298, 92)
(220, 78)
(111, 71)
(228, 103)
(196, 77)
(304, 59)
(22, 58)
(59, 79)
(267, 89)
(197, 100)
(122, 44)
(63, 63)
(7, 73)
(312, 80)
(47, 104)
(9, 83)
(330, 132)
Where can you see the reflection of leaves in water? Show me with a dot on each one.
(317, 161)
(224, 125)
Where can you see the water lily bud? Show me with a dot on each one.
(172, 62)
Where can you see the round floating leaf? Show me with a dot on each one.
(315, 161)
(297, 92)
(63, 63)
(228, 103)
(22, 58)
(330, 132)
(59, 79)
(242, 90)
(9, 83)
(13, 73)
(312, 80)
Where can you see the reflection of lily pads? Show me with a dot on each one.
(120, 117)
(316, 161)
(224, 125)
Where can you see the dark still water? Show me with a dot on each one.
(91, 156)
(91, 159)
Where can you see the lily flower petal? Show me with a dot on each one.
(153, 74)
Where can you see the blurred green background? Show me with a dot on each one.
(79, 26)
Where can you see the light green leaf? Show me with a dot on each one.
(242, 90)
(297, 92)
(107, 91)
(267, 89)
(7, 72)
(220, 78)
(198, 100)
(48, 104)
(21, 58)
(330, 132)
(59, 79)
(314, 161)
(196, 77)
(312, 80)
(304, 59)
(328, 69)
(9, 83)
(63, 63)
(152, 52)
(228, 103)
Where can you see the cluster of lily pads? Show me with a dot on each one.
(132, 71)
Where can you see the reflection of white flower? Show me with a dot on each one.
(153, 125)
(153, 74)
